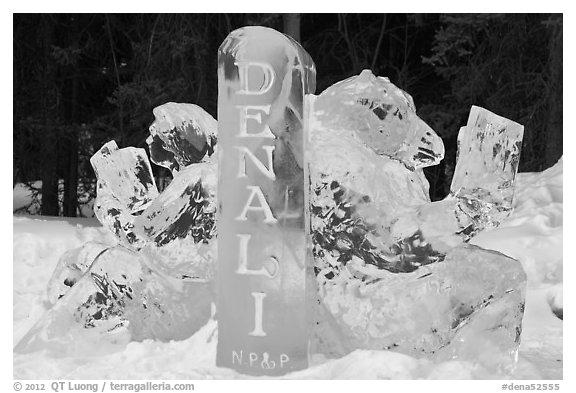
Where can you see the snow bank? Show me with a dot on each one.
(533, 235)
(38, 243)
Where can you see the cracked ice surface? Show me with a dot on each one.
(482, 189)
(388, 262)
(453, 309)
(533, 235)
(179, 224)
(488, 156)
(119, 299)
(111, 294)
(182, 134)
(383, 117)
(157, 282)
(357, 194)
(125, 187)
(376, 287)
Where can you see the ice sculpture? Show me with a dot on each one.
(454, 309)
(358, 192)
(179, 224)
(120, 298)
(70, 269)
(262, 78)
(182, 134)
(488, 156)
(91, 311)
(391, 270)
(162, 289)
(382, 116)
(482, 189)
(125, 187)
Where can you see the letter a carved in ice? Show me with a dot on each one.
(263, 76)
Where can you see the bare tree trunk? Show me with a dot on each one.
(118, 82)
(292, 25)
(554, 138)
(47, 130)
(71, 179)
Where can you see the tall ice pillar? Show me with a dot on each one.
(263, 76)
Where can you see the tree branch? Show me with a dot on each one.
(120, 105)
(377, 50)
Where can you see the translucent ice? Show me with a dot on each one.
(390, 265)
(179, 224)
(125, 187)
(357, 195)
(120, 298)
(163, 290)
(488, 156)
(381, 115)
(262, 78)
(127, 174)
(483, 186)
(71, 267)
(468, 306)
(177, 232)
(182, 134)
(91, 311)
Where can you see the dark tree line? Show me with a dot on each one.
(83, 79)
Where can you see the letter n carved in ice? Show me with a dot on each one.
(263, 76)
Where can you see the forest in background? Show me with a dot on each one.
(81, 80)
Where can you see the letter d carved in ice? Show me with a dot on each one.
(263, 76)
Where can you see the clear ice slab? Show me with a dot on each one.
(125, 187)
(181, 134)
(262, 78)
(487, 162)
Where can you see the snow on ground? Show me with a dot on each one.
(533, 235)
(38, 243)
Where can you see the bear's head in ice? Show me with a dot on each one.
(383, 117)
